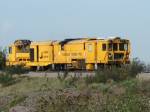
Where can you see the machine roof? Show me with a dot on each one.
(42, 43)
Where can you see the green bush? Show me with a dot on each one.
(130, 85)
(71, 82)
(135, 67)
(3, 53)
(63, 76)
(67, 80)
(18, 69)
(16, 100)
(136, 86)
(117, 73)
(6, 79)
(107, 74)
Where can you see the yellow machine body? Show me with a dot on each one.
(19, 53)
(82, 53)
(41, 54)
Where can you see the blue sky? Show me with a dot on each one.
(59, 19)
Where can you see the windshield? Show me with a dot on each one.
(113, 46)
(110, 46)
(23, 49)
(123, 46)
(118, 46)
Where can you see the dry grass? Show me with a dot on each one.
(27, 85)
(51, 95)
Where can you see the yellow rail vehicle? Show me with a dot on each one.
(82, 53)
(19, 53)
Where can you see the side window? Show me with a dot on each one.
(126, 47)
(110, 47)
(104, 47)
(62, 48)
(10, 50)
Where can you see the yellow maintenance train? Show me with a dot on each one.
(80, 53)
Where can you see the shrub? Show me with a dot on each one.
(130, 103)
(63, 76)
(67, 80)
(6, 79)
(90, 79)
(117, 73)
(130, 85)
(144, 87)
(2, 58)
(71, 81)
(135, 67)
(18, 69)
(16, 100)
(107, 74)
(137, 86)
(90, 101)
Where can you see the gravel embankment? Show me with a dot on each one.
(143, 76)
(55, 74)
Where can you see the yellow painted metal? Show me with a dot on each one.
(16, 56)
(42, 55)
(70, 51)
(86, 51)
(102, 55)
(90, 51)
(89, 66)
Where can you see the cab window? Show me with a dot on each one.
(10, 50)
(104, 47)
(115, 47)
(123, 47)
(23, 49)
(110, 46)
